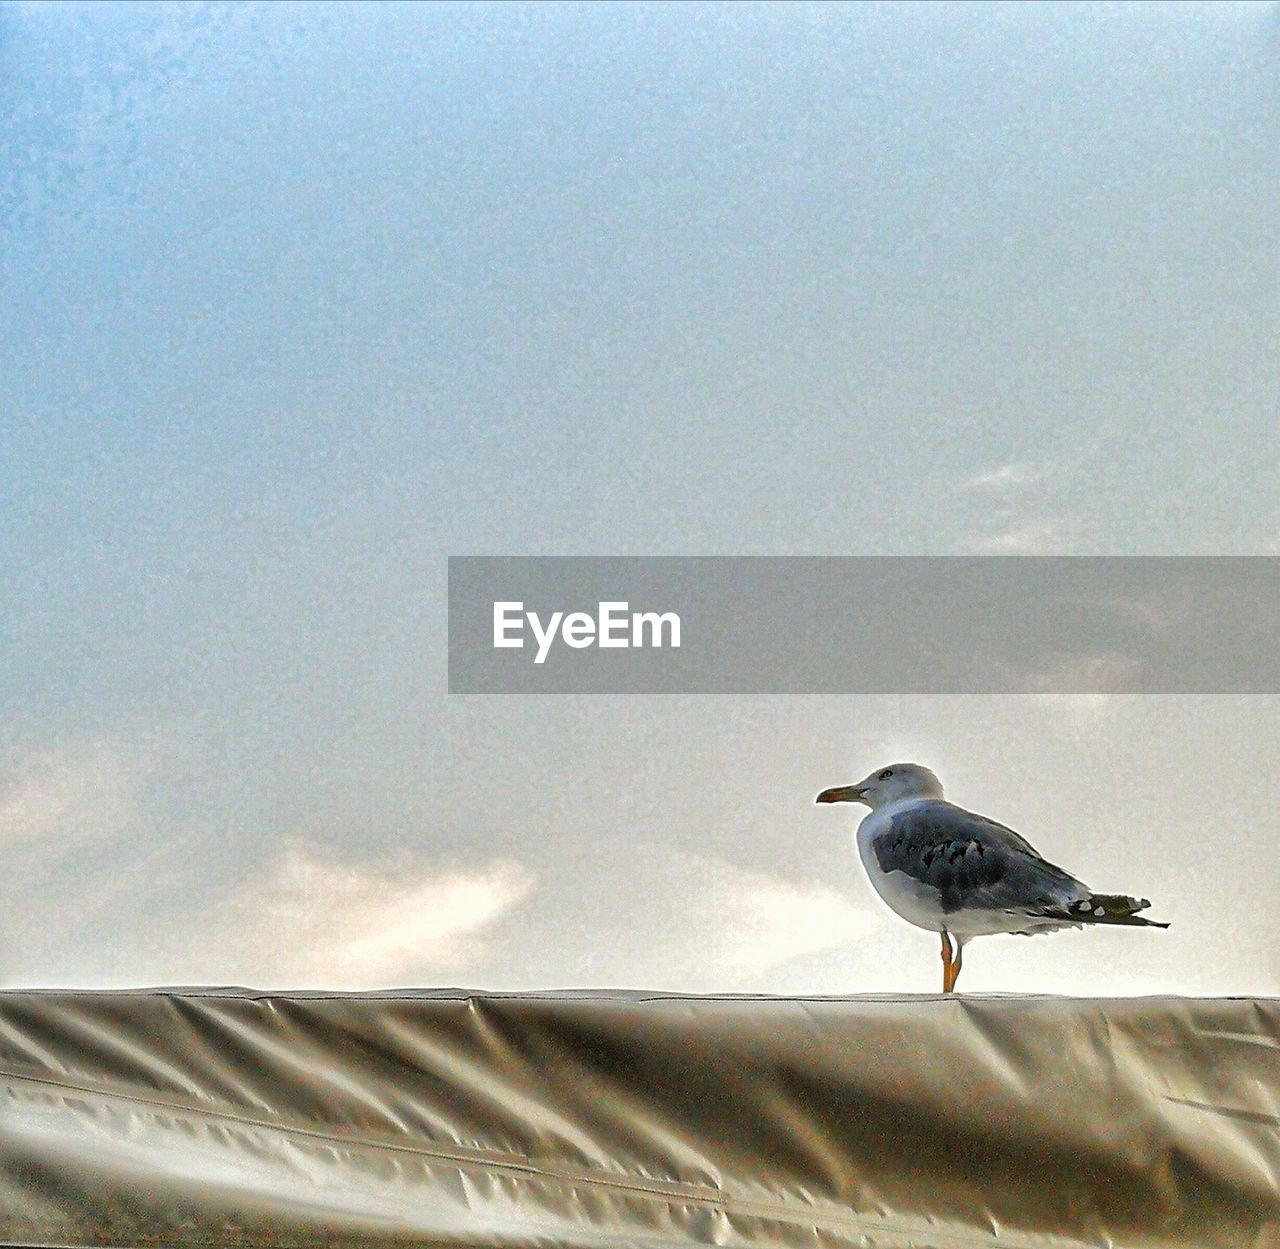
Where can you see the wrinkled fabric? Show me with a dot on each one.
(231, 1117)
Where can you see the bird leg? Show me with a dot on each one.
(955, 965)
(948, 978)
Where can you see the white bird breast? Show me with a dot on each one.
(916, 902)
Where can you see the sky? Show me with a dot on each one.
(298, 300)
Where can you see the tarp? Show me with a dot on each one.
(237, 1118)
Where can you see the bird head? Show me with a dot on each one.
(885, 785)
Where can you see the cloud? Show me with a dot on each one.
(1083, 688)
(53, 802)
(1100, 673)
(106, 888)
(1009, 502)
(312, 920)
(1046, 536)
(70, 819)
(666, 917)
(768, 921)
(1015, 475)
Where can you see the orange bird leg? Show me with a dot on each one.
(948, 978)
(955, 967)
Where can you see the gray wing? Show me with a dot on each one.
(974, 862)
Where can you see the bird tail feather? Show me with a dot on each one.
(1113, 908)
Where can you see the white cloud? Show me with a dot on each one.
(311, 920)
(697, 921)
(1048, 536)
(1015, 475)
(1102, 673)
(768, 921)
(1080, 713)
(1011, 503)
(53, 802)
(1083, 688)
(85, 845)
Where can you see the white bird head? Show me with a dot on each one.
(886, 785)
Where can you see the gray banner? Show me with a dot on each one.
(863, 625)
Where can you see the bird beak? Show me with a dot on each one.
(841, 793)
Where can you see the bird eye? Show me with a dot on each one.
(886, 774)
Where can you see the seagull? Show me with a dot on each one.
(963, 875)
